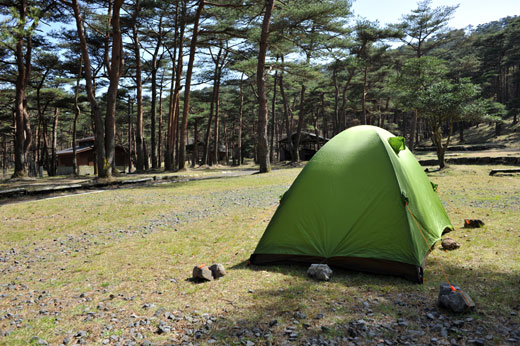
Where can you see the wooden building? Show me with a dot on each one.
(200, 151)
(310, 143)
(85, 156)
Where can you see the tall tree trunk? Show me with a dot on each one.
(195, 143)
(168, 155)
(364, 96)
(174, 103)
(286, 112)
(115, 71)
(186, 106)
(54, 140)
(28, 133)
(45, 153)
(225, 139)
(4, 155)
(216, 129)
(214, 97)
(21, 83)
(38, 141)
(146, 157)
(301, 116)
(413, 130)
(95, 111)
(216, 102)
(159, 145)
(130, 106)
(206, 155)
(262, 144)
(343, 111)
(40, 114)
(155, 67)
(335, 120)
(325, 117)
(139, 131)
(273, 118)
(77, 112)
(240, 117)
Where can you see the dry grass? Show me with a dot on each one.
(111, 253)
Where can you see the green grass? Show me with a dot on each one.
(131, 242)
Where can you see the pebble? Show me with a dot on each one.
(300, 315)
(163, 328)
(80, 334)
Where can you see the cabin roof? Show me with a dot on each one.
(78, 150)
(306, 137)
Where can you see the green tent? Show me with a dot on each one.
(363, 203)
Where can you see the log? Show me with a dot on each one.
(512, 170)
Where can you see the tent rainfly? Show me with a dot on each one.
(362, 203)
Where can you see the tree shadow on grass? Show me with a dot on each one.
(271, 313)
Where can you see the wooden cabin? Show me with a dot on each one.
(310, 143)
(200, 150)
(85, 156)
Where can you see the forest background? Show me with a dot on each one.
(238, 76)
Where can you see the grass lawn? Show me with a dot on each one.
(113, 267)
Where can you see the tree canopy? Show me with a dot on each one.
(257, 71)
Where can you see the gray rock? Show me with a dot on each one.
(320, 271)
(457, 301)
(458, 323)
(300, 315)
(450, 244)
(38, 341)
(159, 312)
(436, 327)
(217, 270)
(202, 274)
(163, 328)
(80, 334)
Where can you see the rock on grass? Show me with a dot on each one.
(450, 244)
(202, 274)
(217, 270)
(456, 301)
(320, 271)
